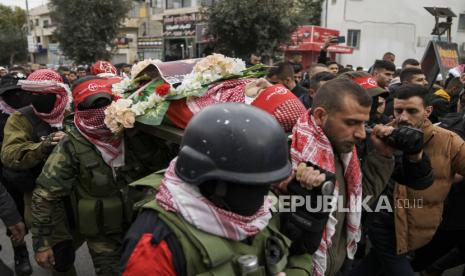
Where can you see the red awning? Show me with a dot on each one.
(316, 47)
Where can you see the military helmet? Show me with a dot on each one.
(10, 82)
(234, 143)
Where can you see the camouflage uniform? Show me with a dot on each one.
(20, 152)
(100, 195)
(24, 155)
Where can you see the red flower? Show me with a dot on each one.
(163, 90)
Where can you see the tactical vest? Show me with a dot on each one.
(25, 179)
(104, 201)
(207, 254)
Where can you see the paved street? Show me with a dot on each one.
(83, 262)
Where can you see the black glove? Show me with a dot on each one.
(406, 139)
(303, 227)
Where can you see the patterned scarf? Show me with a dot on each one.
(231, 91)
(276, 100)
(309, 143)
(6, 108)
(48, 81)
(282, 104)
(90, 124)
(186, 200)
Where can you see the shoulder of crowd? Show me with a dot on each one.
(443, 133)
(74, 135)
(19, 119)
(440, 130)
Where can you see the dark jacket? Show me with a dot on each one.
(389, 109)
(296, 66)
(323, 57)
(440, 102)
(298, 90)
(306, 100)
(8, 212)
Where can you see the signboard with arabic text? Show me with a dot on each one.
(439, 57)
(181, 25)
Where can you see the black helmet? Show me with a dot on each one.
(10, 82)
(234, 143)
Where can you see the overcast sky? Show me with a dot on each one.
(22, 3)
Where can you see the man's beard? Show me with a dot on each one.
(340, 147)
(419, 125)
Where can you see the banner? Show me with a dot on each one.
(439, 57)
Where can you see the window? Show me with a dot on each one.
(176, 4)
(45, 23)
(207, 2)
(36, 23)
(134, 12)
(353, 38)
(38, 39)
(157, 6)
(461, 22)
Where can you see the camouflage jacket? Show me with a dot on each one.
(19, 151)
(61, 176)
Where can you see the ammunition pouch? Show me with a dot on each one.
(100, 216)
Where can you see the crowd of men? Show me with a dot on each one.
(206, 207)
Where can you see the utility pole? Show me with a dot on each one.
(29, 32)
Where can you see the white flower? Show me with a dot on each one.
(208, 70)
(118, 115)
(122, 103)
(119, 88)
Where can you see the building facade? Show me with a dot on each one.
(373, 27)
(138, 24)
(183, 33)
(42, 43)
(157, 29)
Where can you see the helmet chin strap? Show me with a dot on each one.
(217, 196)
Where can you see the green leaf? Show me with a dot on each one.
(195, 93)
(154, 116)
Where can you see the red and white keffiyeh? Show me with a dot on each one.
(6, 108)
(229, 91)
(48, 81)
(186, 200)
(276, 100)
(309, 143)
(284, 106)
(90, 124)
(104, 69)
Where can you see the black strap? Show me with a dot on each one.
(3, 118)
(39, 127)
